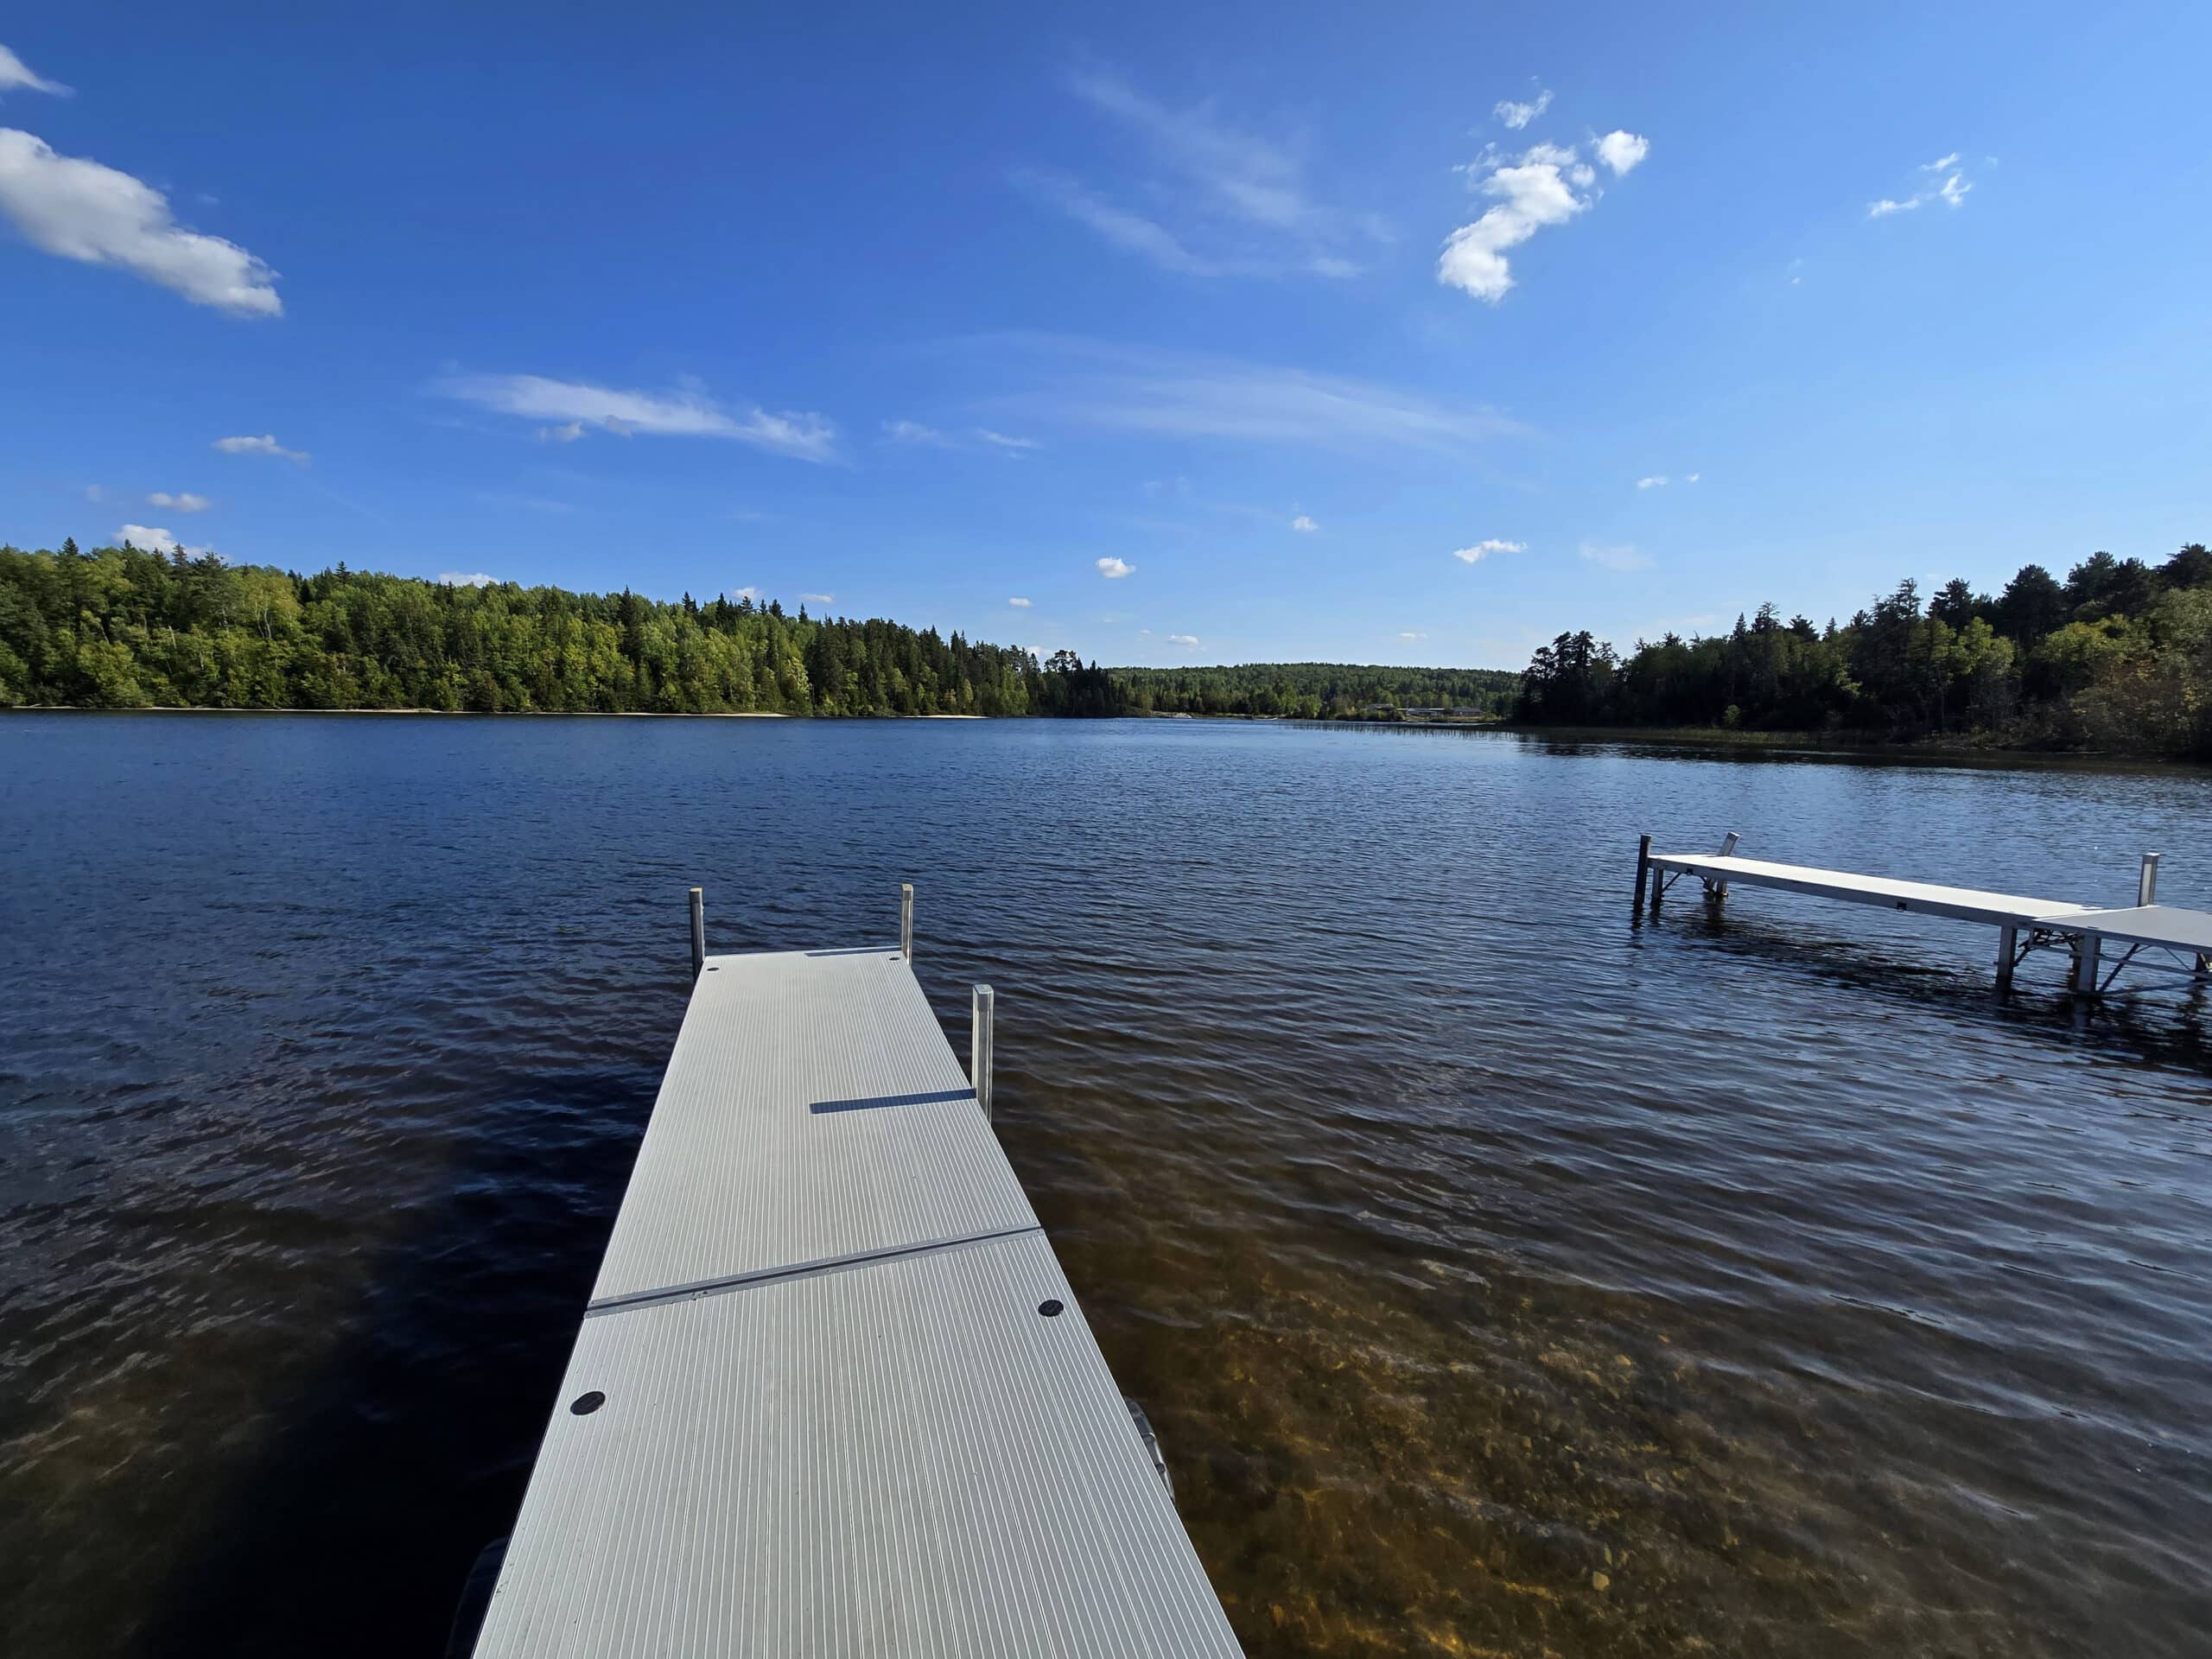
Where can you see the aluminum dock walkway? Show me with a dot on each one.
(2182, 938)
(832, 1394)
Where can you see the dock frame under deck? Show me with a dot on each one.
(2157, 938)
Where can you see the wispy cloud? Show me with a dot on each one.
(1517, 115)
(1413, 634)
(1221, 199)
(78, 209)
(465, 579)
(1616, 556)
(1181, 394)
(1115, 569)
(1689, 478)
(751, 595)
(1188, 641)
(1489, 548)
(183, 501)
(1002, 440)
(1019, 604)
(1942, 180)
(567, 432)
(1305, 523)
(16, 76)
(684, 412)
(1543, 186)
(1132, 232)
(818, 598)
(93, 492)
(1657, 481)
(264, 445)
(914, 432)
(153, 539)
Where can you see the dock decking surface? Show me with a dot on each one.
(835, 1419)
(1927, 898)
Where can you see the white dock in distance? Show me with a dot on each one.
(832, 1394)
(2156, 938)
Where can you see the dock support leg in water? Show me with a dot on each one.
(981, 1006)
(907, 921)
(1642, 868)
(2085, 965)
(2146, 884)
(698, 930)
(2007, 940)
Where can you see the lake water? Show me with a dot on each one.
(1502, 1274)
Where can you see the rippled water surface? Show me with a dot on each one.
(1502, 1275)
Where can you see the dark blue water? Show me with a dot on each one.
(1502, 1274)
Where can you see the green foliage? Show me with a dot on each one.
(1312, 691)
(2119, 655)
(124, 629)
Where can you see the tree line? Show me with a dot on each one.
(124, 627)
(2118, 656)
(1313, 690)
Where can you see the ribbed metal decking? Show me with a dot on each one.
(823, 1409)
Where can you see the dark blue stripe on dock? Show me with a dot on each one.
(875, 1101)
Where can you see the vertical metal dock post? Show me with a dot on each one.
(698, 930)
(2085, 965)
(981, 1006)
(2007, 949)
(1642, 868)
(2146, 884)
(907, 921)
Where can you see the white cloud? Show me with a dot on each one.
(1411, 634)
(1622, 151)
(1689, 478)
(1657, 481)
(16, 76)
(1188, 395)
(1019, 604)
(914, 432)
(1531, 191)
(1113, 569)
(1517, 116)
(1619, 556)
(1483, 549)
(1947, 184)
(465, 579)
(567, 433)
(153, 539)
(1000, 440)
(1188, 641)
(818, 598)
(80, 210)
(1303, 522)
(264, 445)
(685, 412)
(751, 593)
(184, 501)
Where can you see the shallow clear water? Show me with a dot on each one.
(1502, 1274)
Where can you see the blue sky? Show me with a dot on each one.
(1214, 334)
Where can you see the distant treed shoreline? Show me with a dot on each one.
(2117, 656)
(124, 629)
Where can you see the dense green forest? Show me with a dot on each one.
(1312, 691)
(2118, 656)
(122, 628)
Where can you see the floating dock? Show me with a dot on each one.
(832, 1394)
(2148, 936)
